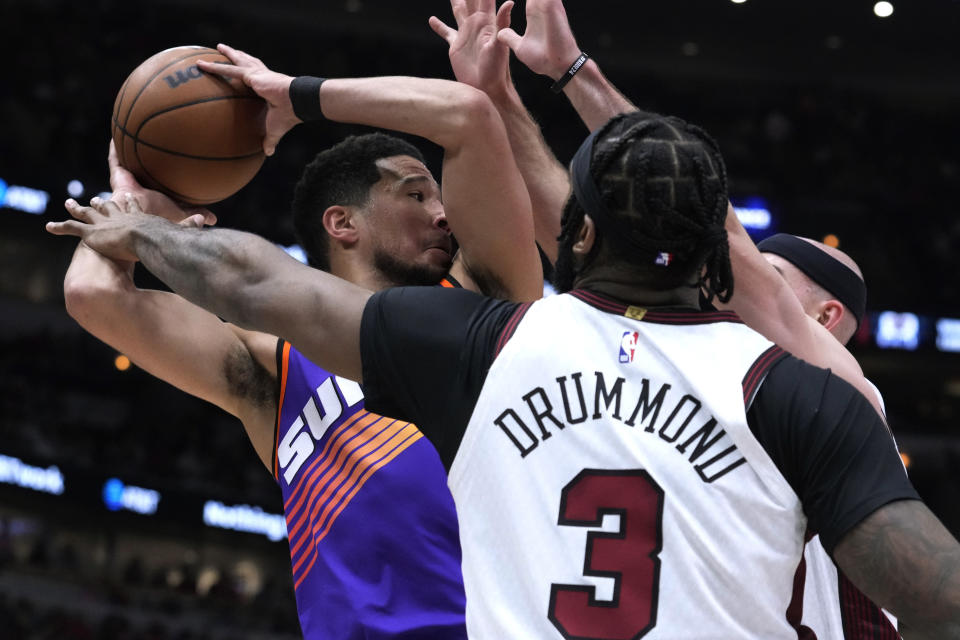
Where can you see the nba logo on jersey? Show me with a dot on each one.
(628, 346)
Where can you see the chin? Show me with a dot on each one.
(426, 272)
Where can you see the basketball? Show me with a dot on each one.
(195, 136)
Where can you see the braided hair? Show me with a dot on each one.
(658, 204)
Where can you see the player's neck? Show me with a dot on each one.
(358, 274)
(625, 289)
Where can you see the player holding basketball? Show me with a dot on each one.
(366, 563)
(713, 450)
(763, 298)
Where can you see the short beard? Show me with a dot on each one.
(402, 274)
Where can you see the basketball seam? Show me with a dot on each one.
(207, 51)
(136, 136)
(121, 152)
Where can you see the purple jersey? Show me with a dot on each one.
(373, 534)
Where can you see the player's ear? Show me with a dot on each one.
(830, 313)
(586, 236)
(341, 224)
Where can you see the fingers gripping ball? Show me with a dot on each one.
(195, 136)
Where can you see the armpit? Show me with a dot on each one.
(248, 379)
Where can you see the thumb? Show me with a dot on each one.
(209, 217)
(270, 145)
(510, 38)
(193, 222)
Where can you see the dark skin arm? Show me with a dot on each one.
(238, 276)
(905, 560)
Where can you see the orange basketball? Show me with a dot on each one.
(195, 136)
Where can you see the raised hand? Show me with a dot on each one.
(477, 57)
(548, 46)
(122, 182)
(273, 87)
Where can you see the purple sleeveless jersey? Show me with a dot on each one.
(373, 532)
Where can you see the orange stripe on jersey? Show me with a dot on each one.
(399, 444)
(409, 435)
(345, 461)
(284, 366)
(330, 467)
(347, 430)
(360, 461)
(446, 283)
(306, 570)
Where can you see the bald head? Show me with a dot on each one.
(826, 280)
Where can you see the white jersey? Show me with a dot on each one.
(626, 473)
(656, 439)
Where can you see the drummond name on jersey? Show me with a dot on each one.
(647, 407)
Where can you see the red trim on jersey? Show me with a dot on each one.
(758, 370)
(656, 316)
(283, 364)
(795, 608)
(511, 327)
(862, 619)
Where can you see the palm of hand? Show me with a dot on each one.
(548, 46)
(476, 56)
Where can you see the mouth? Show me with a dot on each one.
(436, 250)
(445, 246)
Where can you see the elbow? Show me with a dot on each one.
(79, 297)
(87, 299)
(473, 117)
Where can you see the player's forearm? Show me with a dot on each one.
(546, 179)
(250, 282)
(447, 113)
(221, 270)
(904, 559)
(595, 99)
(92, 289)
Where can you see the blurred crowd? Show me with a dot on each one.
(86, 587)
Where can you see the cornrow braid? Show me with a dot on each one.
(662, 189)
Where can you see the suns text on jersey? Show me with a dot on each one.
(699, 438)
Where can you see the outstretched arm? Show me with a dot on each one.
(480, 60)
(170, 338)
(549, 48)
(238, 276)
(904, 559)
(767, 304)
(482, 187)
(177, 342)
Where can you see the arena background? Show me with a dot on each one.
(118, 493)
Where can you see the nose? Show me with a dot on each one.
(440, 221)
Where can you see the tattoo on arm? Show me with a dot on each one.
(208, 267)
(905, 560)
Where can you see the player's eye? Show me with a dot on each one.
(417, 195)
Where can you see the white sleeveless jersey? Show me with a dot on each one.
(608, 462)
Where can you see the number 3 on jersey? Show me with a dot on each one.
(297, 445)
(629, 556)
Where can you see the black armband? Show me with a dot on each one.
(572, 71)
(305, 97)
